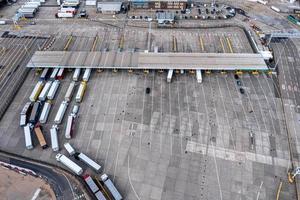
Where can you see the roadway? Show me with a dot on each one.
(59, 182)
(287, 63)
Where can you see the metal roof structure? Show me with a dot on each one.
(141, 60)
(105, 6)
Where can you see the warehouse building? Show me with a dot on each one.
(159, 4)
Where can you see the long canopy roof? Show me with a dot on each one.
(141, 60)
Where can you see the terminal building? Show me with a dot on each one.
(159, 4)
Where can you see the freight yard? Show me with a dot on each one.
(136, 106)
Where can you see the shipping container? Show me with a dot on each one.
(36, 91)
(35, 112)
(111, 187)
(28, 139)
(25, 113)
(54, 138)
(69, 163)
(54, 73)
(44, 74)
(53, 90)
(70, 92)
(61, 112)
(86, 75)
(60, 74)
(69, 127)
(80, 92)
(45, 113)
(76, 74)
(89, 162)
(40, 136)
(69, 149)
(45, 90)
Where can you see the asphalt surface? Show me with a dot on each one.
(58, 182)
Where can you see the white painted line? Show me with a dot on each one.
(36, 194)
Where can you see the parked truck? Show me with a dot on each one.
(45, 113)
(53, 90)
(87, 74)
(69, 149)
(70, 91)
(40, 136)
(60, 74)
(45, 90)
(170, 74)
(80, 92)
(94, 188)
(35, 113)
(75, 110)
(61, 112)
(69, 127)
(54, 73)
(111, 187)
(84, 158)
(76, 74)
(25, 113)
(54, 138)
(28, 139)
(36, 91)
(69, 163)
(44, 74)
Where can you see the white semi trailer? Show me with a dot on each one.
(53, 90)
(61, 112)
(45, 113)
(84, 158)
(87, 74)
(54, 138)
(111, 187)
(70, 91)
(69, 163)
(28, 139)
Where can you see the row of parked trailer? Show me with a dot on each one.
(30, 8)
(113, 192)
(37, 110)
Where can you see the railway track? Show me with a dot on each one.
(14, 72)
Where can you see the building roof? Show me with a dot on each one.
(109, 6)
(140, 60)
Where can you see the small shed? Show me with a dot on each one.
(109, 7)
